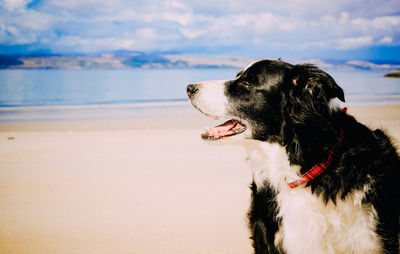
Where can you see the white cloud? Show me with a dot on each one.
(356, 42)
(386, 40)
(147, 33)
(14, 5)
(367, 64)
(176, 4)
(339, 44)
(123, 16)
(95, 6)
(92, 45)
(193, 34)
(385, 22)
(344, 18)
(175, 24)
(183, 19)
(24, 26)
(238, 27)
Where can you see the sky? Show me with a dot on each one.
(340, 29)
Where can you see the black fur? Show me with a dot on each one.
(289, 104)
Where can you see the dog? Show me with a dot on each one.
(322, 182)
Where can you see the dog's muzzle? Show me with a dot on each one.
(209, 98)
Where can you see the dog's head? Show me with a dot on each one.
(262, 98)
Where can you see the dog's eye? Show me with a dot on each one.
(245, 84)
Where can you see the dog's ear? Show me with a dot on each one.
(308, 78)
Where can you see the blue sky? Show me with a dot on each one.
(340, 29)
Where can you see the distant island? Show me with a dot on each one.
(138, 60)
(121, 61)
(392, 74)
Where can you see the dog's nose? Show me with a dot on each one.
(192, 89)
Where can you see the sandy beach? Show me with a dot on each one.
(130, 186)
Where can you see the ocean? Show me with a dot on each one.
(69, 95)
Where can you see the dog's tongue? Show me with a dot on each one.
(222, 130)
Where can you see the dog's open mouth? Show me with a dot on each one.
(227, 129)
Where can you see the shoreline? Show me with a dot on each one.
(188, 118)
(139, 110)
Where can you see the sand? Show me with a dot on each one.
(129, 186)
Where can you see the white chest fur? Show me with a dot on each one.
(308, 224)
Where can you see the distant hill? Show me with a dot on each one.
(8, 61)
(138, 60)
(393, 74)
(123, 61)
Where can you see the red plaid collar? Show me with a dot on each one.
(319, 168)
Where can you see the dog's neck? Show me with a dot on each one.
(270, 165)
(310, 142)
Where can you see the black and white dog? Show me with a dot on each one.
(322, 182)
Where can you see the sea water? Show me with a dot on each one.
(65, 95)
